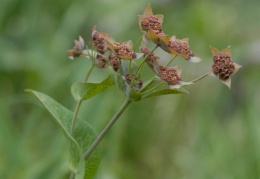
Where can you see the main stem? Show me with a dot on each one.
(106, 129)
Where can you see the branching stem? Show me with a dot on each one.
(140, 66)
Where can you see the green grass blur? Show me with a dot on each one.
(211, 133)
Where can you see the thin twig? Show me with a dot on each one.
(171, 60)
(201, 77)
(79, 104)
(140, 66)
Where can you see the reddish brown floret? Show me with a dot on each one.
(123, 51)
(74, 52)
(152, 59)
(137, 83)
(78, 48)
(169, 74)
(99, 42)
(153, 23)
(114, 61)
(181, 47)
(101, 61)
(223, 66)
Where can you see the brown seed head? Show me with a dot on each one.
(152, 59)
(99, 41)
(101, 61)
(153, 23)
(181, 47)
(123, 51)
(138, 82)
(169, 74)
(114, 61)
(223, 66)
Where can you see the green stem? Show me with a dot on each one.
(171, 60)
(137, 44)
(199, 78)
(79, 104)
(72, 174)
(154, 88)
(140, 66)
(155, 75)
(106, 129)
(129, 67)
(75, 117)
(146, 85)
(135, 47)
(89, 72)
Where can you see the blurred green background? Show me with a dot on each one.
(211, 133)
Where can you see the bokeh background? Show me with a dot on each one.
(212, 133)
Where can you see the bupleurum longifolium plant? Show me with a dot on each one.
(126, 60)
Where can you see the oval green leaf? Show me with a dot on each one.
(84, 135)
(83, 91)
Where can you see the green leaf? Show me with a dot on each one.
(157, 87)
(83, 137)
(120, 82)
(83, 91)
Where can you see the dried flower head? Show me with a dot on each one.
(179, 47)
(100, 61)
(122, 50)
(150, 21)
(99, 40)
(223, 66)
(172, 76)
(114, 61)
(151, 25)
(151, 59)
(138, 83)
(78, 48)
(169, 74)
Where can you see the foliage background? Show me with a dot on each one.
(211, 133)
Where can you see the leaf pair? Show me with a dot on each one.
(84, 134)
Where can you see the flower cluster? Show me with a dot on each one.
(169, 74)
(99, 40)
(149, 21)
(151, 58)
(123, 50)
(181, 47)
(105, 52)
(151, 25)
(223, 66)
(78, 48)
(108, 52)
(114, 61)
(129, 78)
